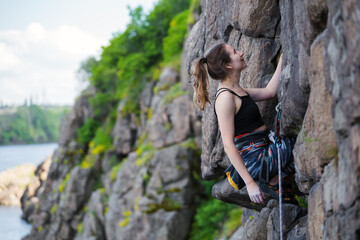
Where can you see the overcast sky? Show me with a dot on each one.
(42, 43)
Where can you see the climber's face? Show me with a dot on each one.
(237, 59)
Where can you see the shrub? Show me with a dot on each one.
(173, 42)
(87, 131)
(211, 215)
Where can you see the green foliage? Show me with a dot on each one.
(157, 72)
(87, 131)
(146, 178)
(126, 219)
(53, 209)
(174, 92)
(232, 223)
(149, 113)
(167, 204)
(63, 183)
(211, 215)
(296, 130)
(102, 103)
(195, 7)
(88, 161)
(168, 126)
(145, 152)
(190, 144)
(31, 124)
(163, 87)
(98, 184)
(122, 70)
(115, 169)
(173, 42)
(85, 70)
(102, 140)
(332, 152)
(80, 227)
(302, 200)
(144, 149)
(174, 62)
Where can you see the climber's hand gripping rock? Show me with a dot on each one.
(255, 193)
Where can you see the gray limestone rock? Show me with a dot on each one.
(298, 232)
(171, 122)
(316, 143)
(168, 77)
(124, 133)
(254, 228)
(256, 18)
(93, 221)
(77, 191)
(317, 12)
(77, 116)
(239, 234)
(291, 215)
(223, 191)
(145, 200)
(316, 212)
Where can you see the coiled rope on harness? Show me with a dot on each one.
(278, 143)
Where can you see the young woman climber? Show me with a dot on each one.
(244, 134)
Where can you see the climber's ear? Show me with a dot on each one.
(228, 66)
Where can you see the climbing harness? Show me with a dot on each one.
(278, 141)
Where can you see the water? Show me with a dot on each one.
(12, 227)
(14, 155)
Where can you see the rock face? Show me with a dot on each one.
(260, 51)
(145, 182)
(319, 94)
(254, 226)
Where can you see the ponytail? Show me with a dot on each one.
(216, 61)
(201, 82)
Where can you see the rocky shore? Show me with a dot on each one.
(14, 181)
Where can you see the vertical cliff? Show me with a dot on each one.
(144, 183)
(319, 94)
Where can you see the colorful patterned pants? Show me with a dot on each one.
(252, 149)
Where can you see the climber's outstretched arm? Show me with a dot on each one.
(261, 94)
(225, 109)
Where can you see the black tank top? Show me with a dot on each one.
(248, 118)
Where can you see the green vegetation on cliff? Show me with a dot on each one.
(132, 59)
(127, 63)
(214, 219)
(31, 124)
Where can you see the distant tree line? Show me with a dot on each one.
(31, 124)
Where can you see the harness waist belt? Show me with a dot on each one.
(257, 136)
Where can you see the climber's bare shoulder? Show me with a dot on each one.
(225, 111)
(259, 94)
(226, 104)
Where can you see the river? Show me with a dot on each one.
(12, 227)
